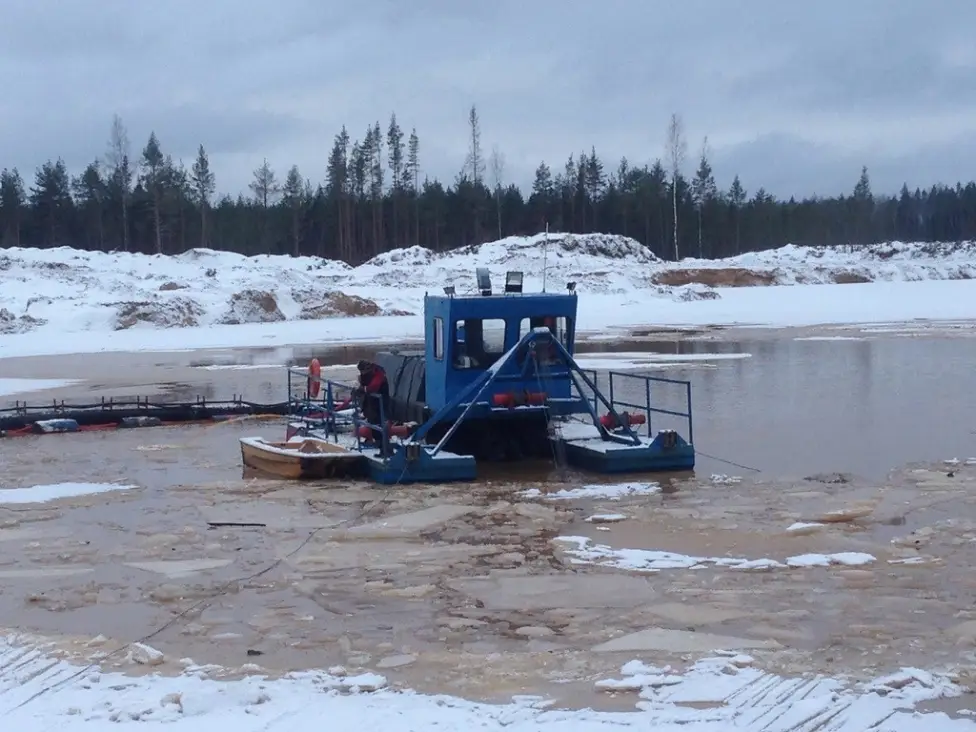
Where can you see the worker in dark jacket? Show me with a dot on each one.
(373, 389)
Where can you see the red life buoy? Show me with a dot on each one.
(314, 378)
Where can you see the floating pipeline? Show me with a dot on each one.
(59, 417)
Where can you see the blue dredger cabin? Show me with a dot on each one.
(465, 335)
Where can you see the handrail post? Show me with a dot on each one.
(355, 426)
(691, 428)
(384, 437)
(330, 418)
(647, 400)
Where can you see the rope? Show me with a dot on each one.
(727, 462)
(553, 433)
(242, 418)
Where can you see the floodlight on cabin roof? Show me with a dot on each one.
(484, 280)
(513, 281)
(449, 290)
(571, 287)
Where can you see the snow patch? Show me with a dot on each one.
(722, 479)
(646, 560)
(270, 299)
(57, 491)
(727, 692)
(605, 518)
(804, 527)
(607, 491)
(714, 694)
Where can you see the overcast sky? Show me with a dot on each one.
(793, 97)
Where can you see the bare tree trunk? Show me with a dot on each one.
(157, 221)
(699, 231)
(676, 149)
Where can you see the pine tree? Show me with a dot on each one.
(737, 198)
(204, 184)
(295, 195)
(595, 182)
(374, 138)
(265, 185)
(413, 166)
(13, 201)
(90, 192)
(395, 155)
(337, 190)
(703, 190)
(118, 162)
(153, 163)
(50, 197)
(475, 164)
(863, 203)
(265, 188)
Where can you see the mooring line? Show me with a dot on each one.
(727, 462)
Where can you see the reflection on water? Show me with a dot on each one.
(794, 408)
(801, 407)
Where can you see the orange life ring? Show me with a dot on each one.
(314, 378)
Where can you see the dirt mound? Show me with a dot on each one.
(10, 323)
(846, 277)
(341, 305)
(252, 306)
(179, 312)
(589, 246)
(607, 246)
(717, 277)
(823, 275)
(414, 256)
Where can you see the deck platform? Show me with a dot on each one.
(421, 467)
(586, 449)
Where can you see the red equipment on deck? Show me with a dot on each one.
(626, 418)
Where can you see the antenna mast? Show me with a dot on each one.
(545, 257)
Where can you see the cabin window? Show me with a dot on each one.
(478, 343)
(439, 339)
(558, 326)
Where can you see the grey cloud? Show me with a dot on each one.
(81, 138)
(786, 166)
(786, 92)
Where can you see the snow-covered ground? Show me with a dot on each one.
(720, 692)
(64, 300)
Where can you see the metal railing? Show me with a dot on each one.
(624, 391)
(321, 410)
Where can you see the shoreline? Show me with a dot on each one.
(739, 310)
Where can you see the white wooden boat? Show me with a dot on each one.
(308, 458)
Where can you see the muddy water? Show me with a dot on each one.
(798, 407)
(793, 408)
(462, 589)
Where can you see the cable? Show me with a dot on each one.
(727, 462)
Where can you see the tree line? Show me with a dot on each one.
(373, 197)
